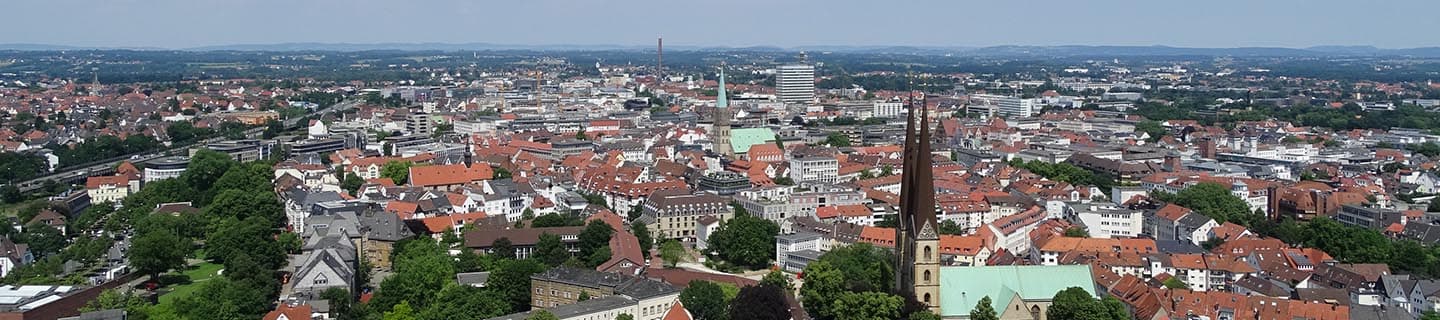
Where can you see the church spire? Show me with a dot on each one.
(720, 100)
(917, 240)
(720, 132)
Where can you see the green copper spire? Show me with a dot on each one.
(720, 101)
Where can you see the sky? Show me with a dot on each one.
(783, 23)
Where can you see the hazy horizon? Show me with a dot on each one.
(181, 24)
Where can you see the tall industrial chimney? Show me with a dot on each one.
(660, 57)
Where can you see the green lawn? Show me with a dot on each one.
(10, 210)
(198, 275)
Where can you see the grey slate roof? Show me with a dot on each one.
(576, 309)
(1192, 220)
(472, 278)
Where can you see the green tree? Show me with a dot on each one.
(352, 183)
(501, 173)
(290, 242)
(837, 139)
(539, 315)
(599, 257)
(760, 302)
(745, 240)
(1076, 232)
(43, 240)
(502, 248)
(396, 170)
(984, 310)
(550, 250)
(253, 177)
(112, 299)
(222, 298)
(242, 204)
(1348, 244)
(705, 300)
(11, 194)
(401, 311)
(1116, 309)
(923, 315)
(1212, 200)
(951, 227)
(671, 252)
(1175, 283)
(867, 306)
(1152, 128)
(511, 278)
(156, 251)
(253, 237)
(422, 268)
(342, 304)
(551, 220)
(596, 235)
(1076, 303)
(205, 168)
(466, 302)
(866, 267)
(823, 286)
(642, 235)
(624, 316)
(778, 279)
(1429, 315)
(469, 261)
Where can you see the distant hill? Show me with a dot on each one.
(429, 46)
(996, 51)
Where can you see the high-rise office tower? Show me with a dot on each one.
(795, 83)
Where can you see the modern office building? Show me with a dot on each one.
(723, 183)
(317, 146)
(807, 169)
(795, 83)
(165, 168)
(1006, 106)
(419, 123)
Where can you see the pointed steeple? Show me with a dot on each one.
(721, 130)
(917, 239)
(720, 100)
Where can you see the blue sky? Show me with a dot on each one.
(1192, 23)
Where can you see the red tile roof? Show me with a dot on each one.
(453, 174)
(441, 223)
(99, 181)
(289, 312)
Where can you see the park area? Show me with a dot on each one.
(183, 284)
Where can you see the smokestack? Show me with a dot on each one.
(660, 56)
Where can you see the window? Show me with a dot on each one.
(927, 295)
(927, 253)
(927, 280)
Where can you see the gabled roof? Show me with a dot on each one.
(289, 312)
(452, 174)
